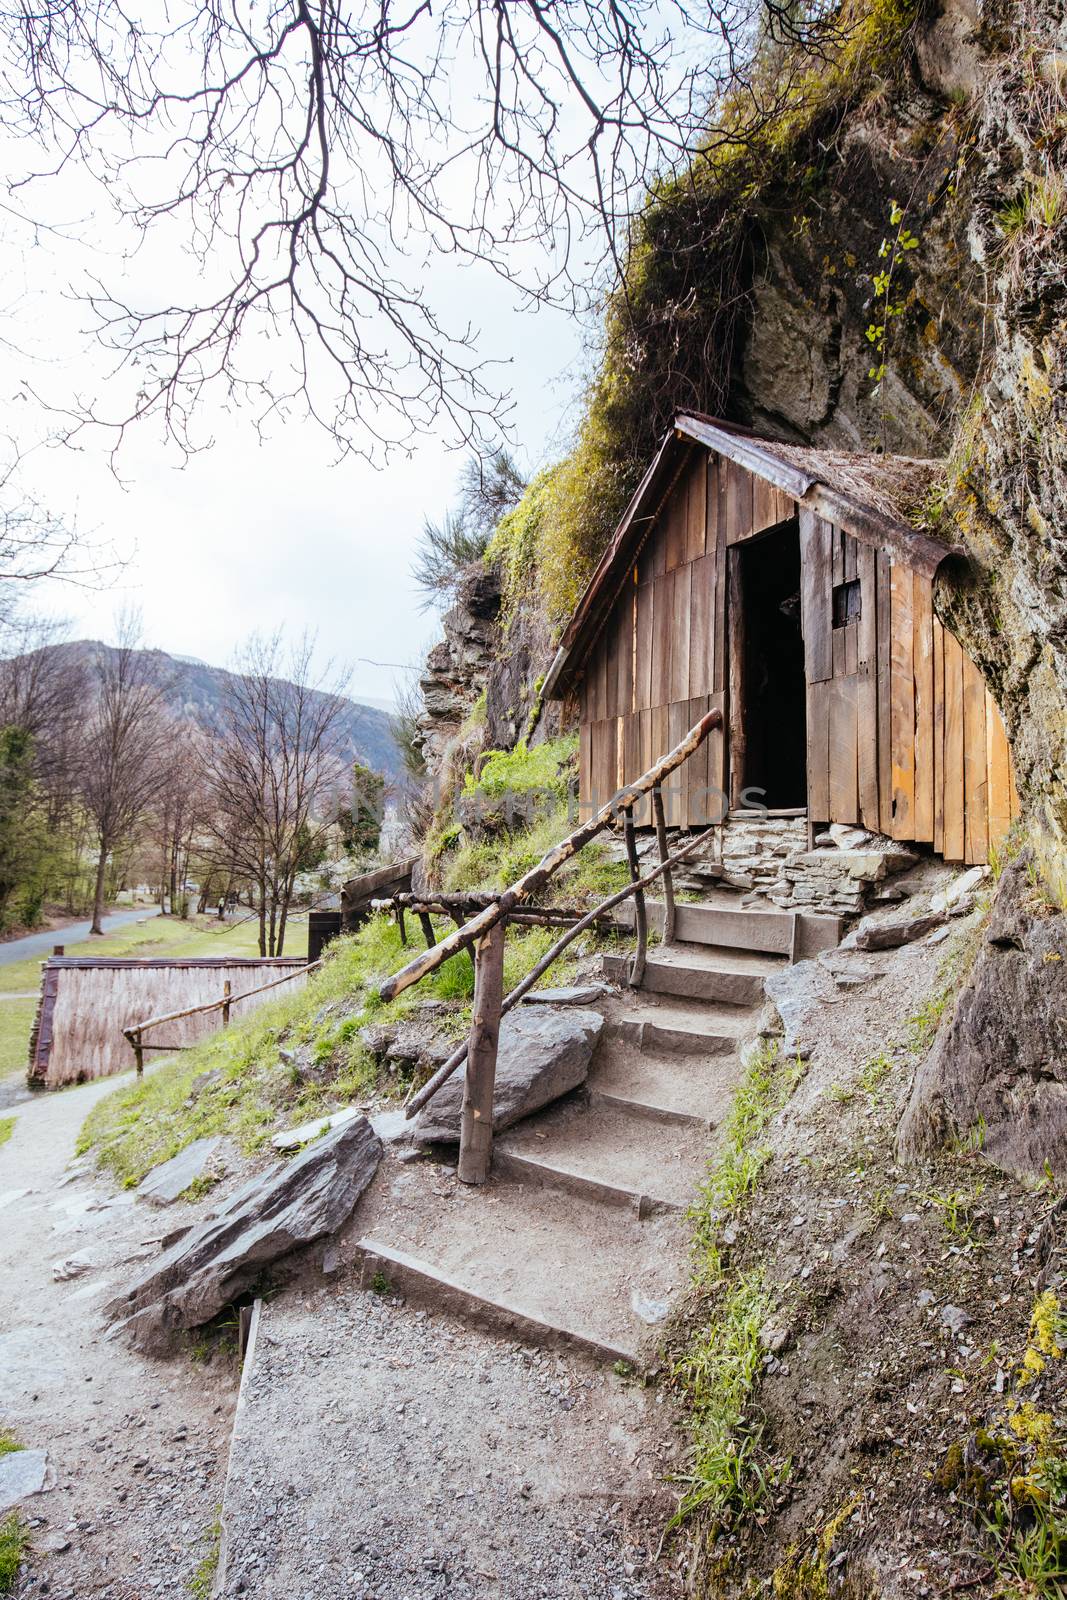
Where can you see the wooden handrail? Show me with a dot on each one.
(534, 880)
(416, 1101)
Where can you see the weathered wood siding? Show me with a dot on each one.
(87, 1001)
(903, 736)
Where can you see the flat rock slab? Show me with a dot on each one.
(543, 1053)
(22, 1473)
(167, 1182)
(293, 1138)
(392, 1127)
(891, 935)
(289, 1206)
(584, 994)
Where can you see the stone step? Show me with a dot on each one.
(785, 933)
(558, 1269)
(661, 1023)
(673, 1087)
(700, 972)
(606, 1152)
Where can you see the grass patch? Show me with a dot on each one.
(236, 1082)
(719, 1370)
(719, 1373)
(1011, 1471)
(543, 769)
(14, 1542)
(7, 1128)
(763, 1091)
(8, 1442)
(16, 1025)
(203, 1579)
(496, 863)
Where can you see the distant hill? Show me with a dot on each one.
(195, 692)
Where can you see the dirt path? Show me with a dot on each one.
(385, 1452)
(137, 1447)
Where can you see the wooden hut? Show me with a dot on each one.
(784, 586)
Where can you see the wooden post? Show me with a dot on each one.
(138, 1053)
(735, 626)
(476, 1126)
(401, 924)
(637, 965)
(427, 929)
(664, 856)
(226, 1003)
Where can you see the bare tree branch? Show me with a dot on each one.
(317, 161)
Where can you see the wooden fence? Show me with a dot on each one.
(86, 1002)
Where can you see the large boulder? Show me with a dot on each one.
(999, 1067)
(542, 1054)
(278, 1211)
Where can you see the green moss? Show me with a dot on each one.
(8, 1442)
(672, 325)
(543, 770)
(805, 1572)
(7, 1128)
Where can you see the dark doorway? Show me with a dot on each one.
(768, 712)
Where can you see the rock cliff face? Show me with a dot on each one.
(482, 657)
(459, 665)
(1003, 1086)
(971, 150)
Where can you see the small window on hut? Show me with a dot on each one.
(847, 603)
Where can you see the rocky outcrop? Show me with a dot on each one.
(542, 1054)
(998, 1070)
(277, 1212)
(458, 665)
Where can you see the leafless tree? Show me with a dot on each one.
(123, 767)
(271, 770)
(321, 161)
(180, 810)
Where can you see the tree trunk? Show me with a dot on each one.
(98, 898)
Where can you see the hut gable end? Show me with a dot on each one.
(785, 587)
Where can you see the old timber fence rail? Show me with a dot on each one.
(484, 934)
(136, 1031)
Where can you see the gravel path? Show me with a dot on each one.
(387, 1453)
(137, 1448)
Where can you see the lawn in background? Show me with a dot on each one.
(156, 936)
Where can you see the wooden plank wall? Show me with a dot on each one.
(903, 735)
(660, 661)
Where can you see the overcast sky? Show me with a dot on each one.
(248, 536)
